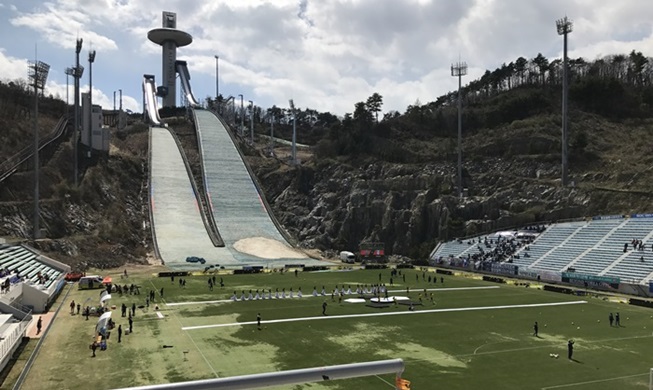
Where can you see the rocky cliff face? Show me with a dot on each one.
(331, 205)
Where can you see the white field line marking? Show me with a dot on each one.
(191, 338)
(595, 381)
(544, 346)
(394, 313)
(328, 295)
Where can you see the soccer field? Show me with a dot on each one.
(475, 335)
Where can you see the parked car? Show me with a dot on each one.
(195, 259)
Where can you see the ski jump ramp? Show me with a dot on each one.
(250, 236)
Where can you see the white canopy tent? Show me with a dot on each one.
(102, 322)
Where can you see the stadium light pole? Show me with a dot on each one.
(251, 121)
(78, 75)
(459, 69)
(91, 59)
(242, 117)
(38, 74)
(564, 27)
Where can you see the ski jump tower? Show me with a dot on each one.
(170, 39)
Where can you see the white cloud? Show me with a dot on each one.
(62, 26)
(326, 54)
(12, 68)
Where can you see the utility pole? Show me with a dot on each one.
(251, 122)
(38, 74)
(459, 69)
(78, 74)
(91, 59)
(564, 27)
(114, 101)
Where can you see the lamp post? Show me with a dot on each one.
(217, 78)
(242, 117)
(38, 74)
(251, 121)
(69, 72)
(564, 27)
(78, 74)
(459, 69)
(91, 59)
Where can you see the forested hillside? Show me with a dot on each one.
(371, 175)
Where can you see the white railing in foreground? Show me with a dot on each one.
(9, 340)
(291, 377)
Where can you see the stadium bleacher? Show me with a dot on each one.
(594, 247)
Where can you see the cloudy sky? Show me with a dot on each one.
(325, 54)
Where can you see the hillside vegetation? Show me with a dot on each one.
(389, 178)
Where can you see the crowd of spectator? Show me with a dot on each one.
(491, 250)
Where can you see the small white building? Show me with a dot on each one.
(97, 136)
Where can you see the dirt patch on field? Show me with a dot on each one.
(267, 248)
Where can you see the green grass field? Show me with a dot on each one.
(463, 349)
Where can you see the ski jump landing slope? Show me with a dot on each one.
(177, 224)
(249, 235)
(244, 223)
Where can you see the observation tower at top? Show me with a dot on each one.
(170, 39)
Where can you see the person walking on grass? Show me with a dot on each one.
(119, 333)
(611, 319)
(258, 320)
(535, 329)
(324, 307)
(131, 323)
(72, 307)
(93, 348)
(570, 349)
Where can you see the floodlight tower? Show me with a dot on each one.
(79, 70)
(294, 132)
(91, 59)
(170, 39)
(565, 26)
(459, 69)
(38, 74)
